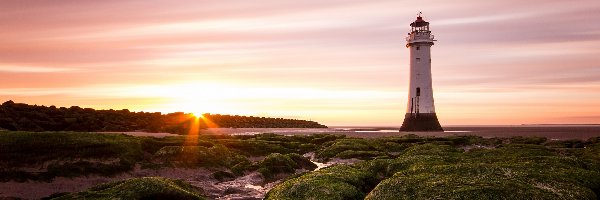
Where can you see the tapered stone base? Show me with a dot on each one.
(421, 122)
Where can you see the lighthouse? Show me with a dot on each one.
(420, 111)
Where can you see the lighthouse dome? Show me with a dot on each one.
(419, 22)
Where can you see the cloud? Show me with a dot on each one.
(33, 69)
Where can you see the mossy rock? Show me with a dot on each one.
(277, 163)
(527, 140)
(302, 162)
(338, 182)
(242, 167)
(254, 147)
(513, 171)
(139, 188)
(525, 170)
(343, 145)
(431, 149)
(390, 146)
(510, 152)
(323, 138)
(223, 175)
(487, 181)
(66, 154)
(565, 144)
(307, 147)
(199, 156)
(592, 151)
(364, 155)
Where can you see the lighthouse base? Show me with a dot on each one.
(421, 122)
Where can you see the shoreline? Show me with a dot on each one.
(549, 132)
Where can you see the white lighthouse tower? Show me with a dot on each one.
(420, 111)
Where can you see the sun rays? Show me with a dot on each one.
(196, 123)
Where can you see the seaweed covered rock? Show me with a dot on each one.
(592, 151)
(355, 181)
(138, 188)
(277, 163)
(254, 147)
(302, 162)
(338, 182)
(350, 148)
(223, 175)
(433, 170)
(367, 149)
(489, 181)
(363, 155)
(199, 156)
(65, 154)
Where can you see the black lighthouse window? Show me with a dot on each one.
(418, 48)
(418, 92)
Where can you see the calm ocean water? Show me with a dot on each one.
(557, 132)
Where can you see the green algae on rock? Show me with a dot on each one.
(137, 189)
(277, 163)
(527, 168)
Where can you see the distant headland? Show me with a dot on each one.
(24, 117)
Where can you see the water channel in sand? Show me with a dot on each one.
(259, 190)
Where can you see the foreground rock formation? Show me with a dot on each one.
(70, 165)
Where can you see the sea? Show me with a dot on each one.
(552, 132)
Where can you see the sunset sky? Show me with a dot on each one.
(336, 62)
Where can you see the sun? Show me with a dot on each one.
(198, 115)
(195, 109)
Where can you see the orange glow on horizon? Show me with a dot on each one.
(208, 122)
(198, 122)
